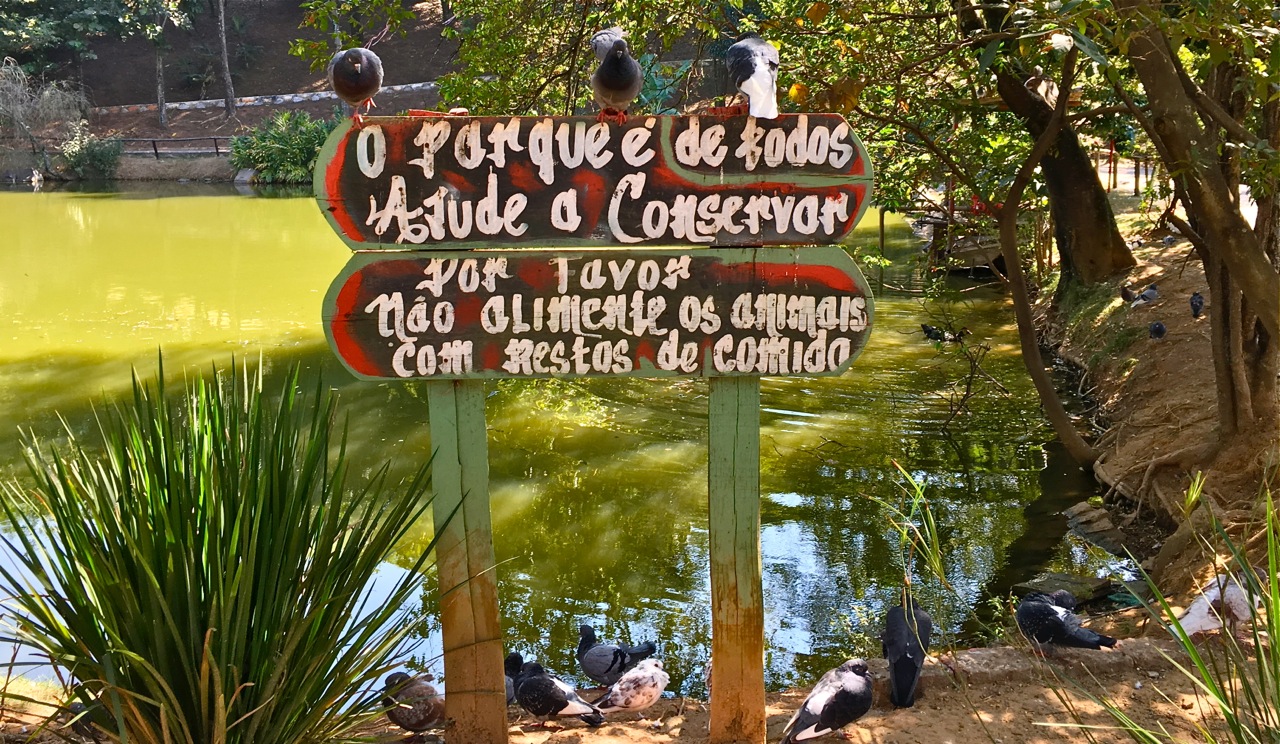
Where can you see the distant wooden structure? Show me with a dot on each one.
(501, 247)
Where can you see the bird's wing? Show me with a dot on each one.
(602, 41)
(574, 705)
(1200, 617)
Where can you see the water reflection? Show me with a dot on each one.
(598, 486)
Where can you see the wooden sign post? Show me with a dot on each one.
(565, 247)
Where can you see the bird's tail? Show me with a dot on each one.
(1085, 638)
(904, 675)
(643, 651)
(593, 719)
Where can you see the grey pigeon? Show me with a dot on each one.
(511, 669)
(638, 689)
(1169, 240)
(618, 78)
(1197, 304)
(356, 76)
(412, 704)
(1046, 622)
(842, 696)
(753, 66)
(547, 697)
(1156, 330)
(1148, 295)
(88, 721)
(606, 663)
(905, 643)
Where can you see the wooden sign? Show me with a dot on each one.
(647, 313)
(404, 183)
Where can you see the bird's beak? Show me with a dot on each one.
(357, 66)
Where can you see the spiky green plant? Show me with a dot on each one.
(204, 568)
(284, 148)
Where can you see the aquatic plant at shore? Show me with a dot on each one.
(203, 569)
(284, 148)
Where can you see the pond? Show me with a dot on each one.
(598, 486)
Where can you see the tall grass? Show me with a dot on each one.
(203, 567)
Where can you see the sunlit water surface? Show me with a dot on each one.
(598, 486)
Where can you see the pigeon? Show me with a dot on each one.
(1197, 304)
(1127, 294)
(605, 664)
(753, 65)
(638, 689)
(1169, 240)
(511, 670)
(87, 720)
(957, 337)
(356, 76)
(618, 78)
(412, 704)
(1135, 243)
(842, 696)
(1226, 598)
(905, 643)
(1156, 330)
(1148, 295)
(1046, 621)
(547, 697)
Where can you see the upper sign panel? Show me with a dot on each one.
(416, 183)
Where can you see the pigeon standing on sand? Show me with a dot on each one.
(1197, 304)
(842, 696)
(1156, 330)
(1169, 240)
(412, 704)
(753, 66)
(618, 78)
(1227, 598)
(1047, 620)
(605, 663)
(356, 76)
(1148, 295)
(547, 697)
(1127, 294)
(638, 689)
(907, 629)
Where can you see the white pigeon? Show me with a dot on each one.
(1226, 598)
(638, 689)
(753, 67)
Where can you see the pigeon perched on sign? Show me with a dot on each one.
(1048, 621)
(905, 643)
(1197, 304)
(638, 689)
(356, 76)
(842, 696)
(753, 66)
(1228, 598)
(548, 697)
(606, 663)
(1147, 296)
(618, 78)
(412, 704)
(1156, 330)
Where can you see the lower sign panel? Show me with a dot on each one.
(640, 313)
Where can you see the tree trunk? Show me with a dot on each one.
(160, 109)
(1089, 242)
(1240, 263)
(224, 62)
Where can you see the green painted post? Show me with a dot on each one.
(737, 595)
(475, 701)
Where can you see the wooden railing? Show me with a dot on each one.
(155, 147)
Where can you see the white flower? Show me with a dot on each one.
(1060, 42)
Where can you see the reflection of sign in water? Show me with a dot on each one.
(442, 182)
(522, 313)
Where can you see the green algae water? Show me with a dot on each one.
(598, 486)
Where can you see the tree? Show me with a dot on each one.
(346, 24)
(224, 63)
(31, 31)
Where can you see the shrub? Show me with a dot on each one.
(205, 573)
(90, 156)
(283, 150)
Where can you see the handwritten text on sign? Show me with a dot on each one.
(428, 182)
(599, 313)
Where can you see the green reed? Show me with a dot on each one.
(202, 567)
